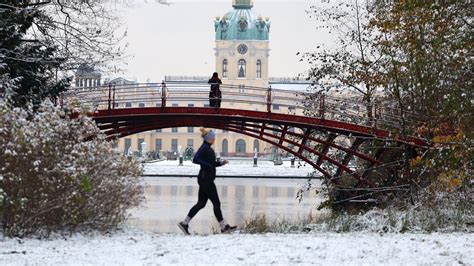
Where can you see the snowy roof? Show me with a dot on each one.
(121, 81)
(303, 86)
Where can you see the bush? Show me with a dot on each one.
(54, 180)
(450, 212)
(259, 224)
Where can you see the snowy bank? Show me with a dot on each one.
(137, 247)
(236, 167)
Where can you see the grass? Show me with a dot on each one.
(453, 213)
(260, 224)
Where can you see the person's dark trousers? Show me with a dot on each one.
(207, 191)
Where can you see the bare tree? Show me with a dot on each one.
(353, 64)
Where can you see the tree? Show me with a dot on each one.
(418, 57)
(31, 62)
(41, 41)
(427, 64)
(427, 69)
(353, 64)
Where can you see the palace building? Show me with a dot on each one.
(242, 46)
(242, 53)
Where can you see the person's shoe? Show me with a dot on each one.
(184, 228)
(228, 229)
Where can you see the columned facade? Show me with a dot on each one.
(87, 77)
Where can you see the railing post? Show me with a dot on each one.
(110, 97)
(113, 97)
(321, 106)
(163, 94)
(255, 158)
(269, 99)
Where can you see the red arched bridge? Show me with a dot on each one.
(327, 132)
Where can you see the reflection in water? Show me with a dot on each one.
(168, 200)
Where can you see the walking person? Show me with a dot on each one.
(215, 95)
(206, 158)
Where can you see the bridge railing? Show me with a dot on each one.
(170, 94)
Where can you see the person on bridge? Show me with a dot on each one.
(206, 158)
(215, 95)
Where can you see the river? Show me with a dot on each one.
(168, 199)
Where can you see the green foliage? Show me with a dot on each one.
(86, 183)
(41, 42)
(34, 62)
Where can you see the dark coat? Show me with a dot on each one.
(206, 158)
(215, 88)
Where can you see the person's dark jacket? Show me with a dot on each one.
(206, 158)
(215, 88)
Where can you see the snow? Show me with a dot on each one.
(236, 167)
(133, 247)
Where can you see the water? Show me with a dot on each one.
(168, 201)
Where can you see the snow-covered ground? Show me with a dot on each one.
(134, 247)
(236, 167)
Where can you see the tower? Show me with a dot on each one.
(242, 46)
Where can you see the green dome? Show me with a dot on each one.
(242, 23)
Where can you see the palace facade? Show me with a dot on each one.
(242, 52)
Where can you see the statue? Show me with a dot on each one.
(224, 26)
(243, 24)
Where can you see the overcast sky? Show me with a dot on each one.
(179, 39)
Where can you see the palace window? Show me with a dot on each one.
(256, 146)
(242, 68)
(158, 145)
(259, 69)
(225, 147)
(139, 142)
(240, 147)
(128, 145)
(174, 145)
(225, 65)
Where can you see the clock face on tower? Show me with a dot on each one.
(242, 49)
